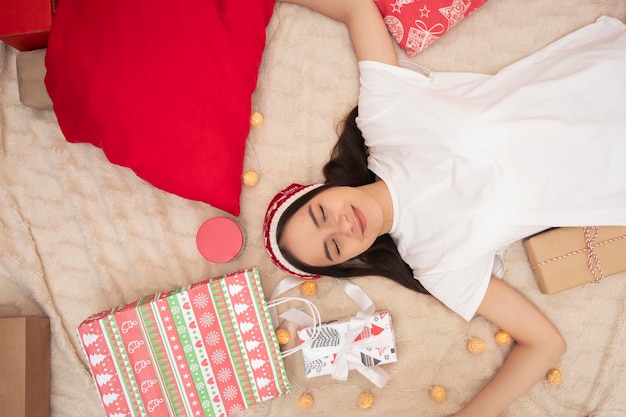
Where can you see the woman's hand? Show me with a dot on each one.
(538, 346)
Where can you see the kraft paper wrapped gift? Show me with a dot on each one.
(207, 349)
(566, 257)
(24, 366)
(361, 342)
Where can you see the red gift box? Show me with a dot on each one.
(25, 24)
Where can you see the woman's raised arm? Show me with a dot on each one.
(538, 346)
(370, 38)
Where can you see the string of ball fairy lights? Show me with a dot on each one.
(438, 393)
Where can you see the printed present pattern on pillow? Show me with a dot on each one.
(416, 24)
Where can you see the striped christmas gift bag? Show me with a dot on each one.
(207, 349)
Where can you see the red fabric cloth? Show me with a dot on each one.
(415, 25)
(163, 87)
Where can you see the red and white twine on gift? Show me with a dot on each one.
(593, 261)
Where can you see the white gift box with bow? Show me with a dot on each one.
(360, 343)
(352, 343)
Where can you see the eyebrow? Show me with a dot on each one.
(326, 251)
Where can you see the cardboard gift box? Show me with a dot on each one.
(25, 24)
(24, 366)
(358, 342)
(206, 349)
(566, 257)
(31, 71)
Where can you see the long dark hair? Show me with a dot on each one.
(348, 167)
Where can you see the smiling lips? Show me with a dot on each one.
(360, 218)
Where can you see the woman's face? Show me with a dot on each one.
(334, 226)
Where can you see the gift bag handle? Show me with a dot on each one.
(314, 320)
(355, 292)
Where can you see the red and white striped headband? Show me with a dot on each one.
(275, 210)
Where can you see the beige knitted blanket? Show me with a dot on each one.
(79, 235)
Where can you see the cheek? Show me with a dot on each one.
(368, 242)
(356, 247)
(302, 247)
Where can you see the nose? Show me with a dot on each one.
(344, 226)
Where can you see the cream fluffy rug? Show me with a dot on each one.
(80, 235)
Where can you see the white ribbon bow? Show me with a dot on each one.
(349, 355)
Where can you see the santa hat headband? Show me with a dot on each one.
(277, 207)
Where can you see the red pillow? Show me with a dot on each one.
(162, 87)
(417, 24)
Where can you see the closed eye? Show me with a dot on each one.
(327, 252)
(334, 244)
(323, 214)
(336, 247)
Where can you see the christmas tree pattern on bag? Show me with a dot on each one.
(206, 349)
